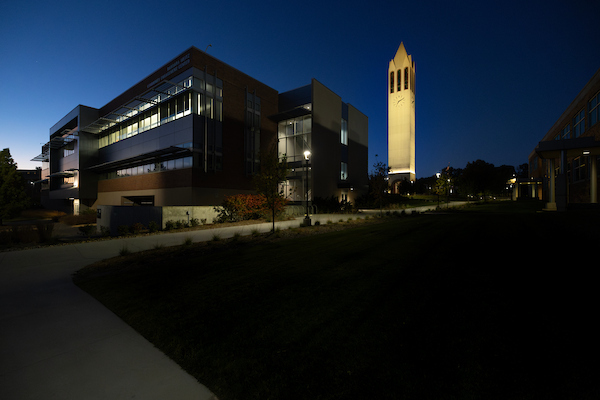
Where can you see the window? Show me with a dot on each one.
(200, 110)
(219, 110)
(405, 78)
(399, 80)
(579, 123)
(579, 169)
(566, 132)
(594, 109)
(293, 142)
(252, 132)
(210, 108)
(344, 132)
(534, 163)
(344, 171)
(392, 82)
(176, 101)
(344, 195)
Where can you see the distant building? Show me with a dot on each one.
(188, 134)
(563, 168)
(401, 119)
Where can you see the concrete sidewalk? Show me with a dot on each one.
(57, 342)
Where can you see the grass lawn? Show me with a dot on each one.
(496, 301)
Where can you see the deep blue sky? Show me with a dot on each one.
(492, 78)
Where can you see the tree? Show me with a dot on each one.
(273, 172)
(483, 179)
(13, 198)
(442, 185)
(478, 177)
(523, 171)
(378, 183)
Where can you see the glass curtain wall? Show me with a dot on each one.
(199, 96)
(294, 139)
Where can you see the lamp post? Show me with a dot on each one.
(437, 188)
(307, 221)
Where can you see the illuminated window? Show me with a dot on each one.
(392, 82)
(294, 138)
(594, 109)
(344, 132)
(344, 171)
(405, 78)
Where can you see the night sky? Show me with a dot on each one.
(492, 78)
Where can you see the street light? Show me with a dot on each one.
(307, 218)
(448, 195)
(437, 187)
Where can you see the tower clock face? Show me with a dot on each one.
(398, 100)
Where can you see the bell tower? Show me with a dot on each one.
(401, 119)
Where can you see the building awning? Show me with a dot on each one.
(62, 174)
(42, 157)
(581, 146)
(151, 157)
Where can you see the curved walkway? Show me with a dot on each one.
(57, 342)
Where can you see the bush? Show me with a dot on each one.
(123, 230)
(194, 222)
(153, 226)
(243, 207)
(87, 230)
(138, 227)
(169, 225)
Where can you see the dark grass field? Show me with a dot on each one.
(496, 301)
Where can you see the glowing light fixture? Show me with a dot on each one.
(307, 221)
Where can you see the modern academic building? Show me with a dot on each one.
(191, 133)
(564, 165)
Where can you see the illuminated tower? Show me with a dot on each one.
(401, 119)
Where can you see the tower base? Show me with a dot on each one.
(398, 182)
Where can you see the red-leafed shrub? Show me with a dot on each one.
(242, 207)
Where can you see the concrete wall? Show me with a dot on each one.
(187, 213)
